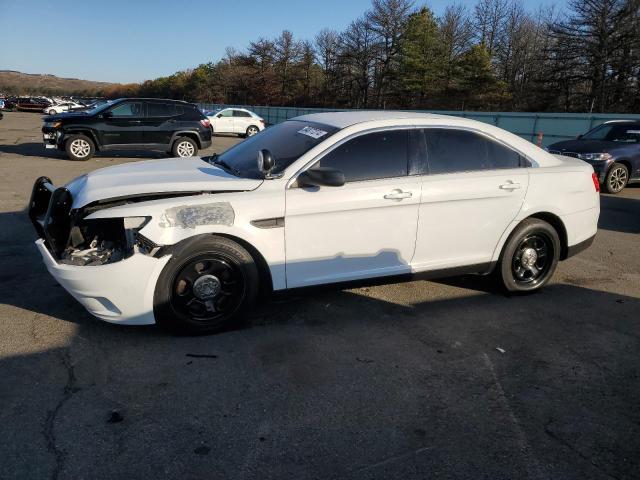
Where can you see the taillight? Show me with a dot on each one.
(596, 182)
(206, 123)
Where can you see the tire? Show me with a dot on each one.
(616, 179)
(79, 147)
(52, 112)
(530, 256)
(206, 287)
(184, 147)
(251, 131)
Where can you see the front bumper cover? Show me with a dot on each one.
(120, 292)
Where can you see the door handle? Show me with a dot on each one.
(510, 186)
(135, 121)
(398, 194)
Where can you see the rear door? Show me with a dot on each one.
(241, 121)
(473, 189)
(125, 125)
(160, 123)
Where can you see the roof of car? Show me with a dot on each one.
(345, 119)
(626, 121)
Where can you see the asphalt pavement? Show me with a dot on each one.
(411, 380)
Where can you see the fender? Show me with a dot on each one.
(181, 133)
(82, 129)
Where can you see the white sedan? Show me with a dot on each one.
(318, 199)
(236, 120)
(61, 107)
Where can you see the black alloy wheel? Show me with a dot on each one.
(208, 288)
(532, 259)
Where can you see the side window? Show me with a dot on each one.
(451, 150)
(240, 113)
(225, 113)
(370, 156)
(160, 110)
(128, 109)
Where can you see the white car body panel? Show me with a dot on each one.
(330, 234)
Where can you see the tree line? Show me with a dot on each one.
(494, 56)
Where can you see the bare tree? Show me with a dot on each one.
(387, 19)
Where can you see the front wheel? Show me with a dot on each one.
(207, 286)
(79, 147)
(530, 256)
(185, 147)
(52, 112)
(252, 130)
(616, 178)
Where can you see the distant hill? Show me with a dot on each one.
(13, 82)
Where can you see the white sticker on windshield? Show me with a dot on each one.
(312, 132)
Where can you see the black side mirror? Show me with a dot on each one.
(266, 162)
(107, 114)
(321, 177)
(579, 137)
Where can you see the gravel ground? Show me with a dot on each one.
(417, 379)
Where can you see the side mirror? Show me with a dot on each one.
(579, 137)
(219, 115)
(266, 162)
(321, 177)
(107, 114)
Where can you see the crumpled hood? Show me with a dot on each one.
(173, 175)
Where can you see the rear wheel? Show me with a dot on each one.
(252, 130)
(207, 286)
(79, 147)
(530, 256)
(616, 178)
(52, 112)
(185, 147)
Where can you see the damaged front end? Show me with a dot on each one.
(74, 239)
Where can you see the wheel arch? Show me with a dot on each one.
(626, 162)
(557, 223)
(264, 272)
(190, 134)
(82, 131)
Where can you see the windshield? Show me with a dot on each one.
(286, 141)
(614, 133)
(98, 108)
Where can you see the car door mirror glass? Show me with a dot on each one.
(321, 177)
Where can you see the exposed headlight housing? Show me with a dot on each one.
(595, 156)
(57, 124)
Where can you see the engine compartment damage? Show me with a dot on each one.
(108, 240)
(191, 216)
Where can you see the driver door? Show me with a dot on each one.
(223, 122)
(124, 126)
(365, 228)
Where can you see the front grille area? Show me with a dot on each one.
(49, 211)
(566, 154)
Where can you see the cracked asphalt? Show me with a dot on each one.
(410, 380)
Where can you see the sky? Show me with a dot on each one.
(135, 40)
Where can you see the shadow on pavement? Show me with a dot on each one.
(323, 383)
